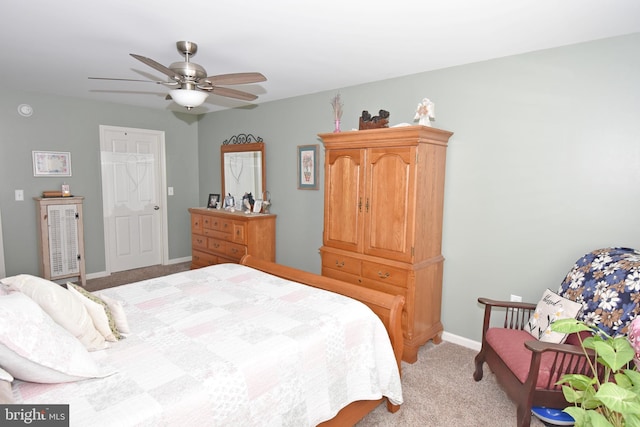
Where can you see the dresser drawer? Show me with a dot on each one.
(224, 225)
(217, 235)
(236, 251)
(198, 241)
(196, 223)
(342, 263)
(239, 233)
(384, 273)
(202, 259)
(217, 245)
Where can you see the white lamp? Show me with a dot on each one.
(188, 97)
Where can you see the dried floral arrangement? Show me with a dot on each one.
(337, 105)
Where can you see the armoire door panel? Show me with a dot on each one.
(344, 200)
(389, 219)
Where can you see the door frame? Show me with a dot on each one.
(162, 184)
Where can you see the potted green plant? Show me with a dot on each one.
(610, 399)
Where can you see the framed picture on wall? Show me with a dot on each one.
(51, 163)
(213, 201)
(307, 167)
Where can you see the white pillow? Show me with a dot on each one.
(119, 316)
(98, 310)
(550, 308)
(35, 348)
(63, 308)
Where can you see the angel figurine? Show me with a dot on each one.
(425, 112)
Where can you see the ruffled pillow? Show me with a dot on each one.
(119, 316)
(98, 310)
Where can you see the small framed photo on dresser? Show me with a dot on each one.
(213, 201)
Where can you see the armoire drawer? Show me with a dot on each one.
(345, 264)
(341, 275)
(387, 288)
(384, 274)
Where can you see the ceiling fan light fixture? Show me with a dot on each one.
(188, 98)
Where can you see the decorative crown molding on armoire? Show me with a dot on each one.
(383, 214)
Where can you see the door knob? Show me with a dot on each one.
(155, 208)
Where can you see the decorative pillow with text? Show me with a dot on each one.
(550, 308)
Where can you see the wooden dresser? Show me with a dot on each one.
(383, 207)
(219, 236)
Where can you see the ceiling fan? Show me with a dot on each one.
(190, 81)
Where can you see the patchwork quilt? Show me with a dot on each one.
(228, 345)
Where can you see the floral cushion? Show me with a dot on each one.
(607, 283)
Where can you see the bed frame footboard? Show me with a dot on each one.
(387, 307)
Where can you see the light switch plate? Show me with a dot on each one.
(170, 191)
(19, 195)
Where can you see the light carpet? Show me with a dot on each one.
(439, 391)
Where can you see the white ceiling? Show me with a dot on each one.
(302, 47)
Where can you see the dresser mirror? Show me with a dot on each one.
(243, 170)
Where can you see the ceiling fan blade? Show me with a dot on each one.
(232, 93)
(130, 80)
(158, 66)
(234, 79)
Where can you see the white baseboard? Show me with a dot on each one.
(97, 275)
(179, 260)
(465, 342)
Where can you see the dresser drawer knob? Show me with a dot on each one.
(339, 264)
(383, 275)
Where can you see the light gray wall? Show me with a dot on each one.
(544, 165)
(64, 124)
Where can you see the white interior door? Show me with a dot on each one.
(133, 179)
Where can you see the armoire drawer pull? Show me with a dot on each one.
(383, 275)
(339, 264)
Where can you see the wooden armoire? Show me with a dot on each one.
(383, 203)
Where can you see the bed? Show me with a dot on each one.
(239, 344)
